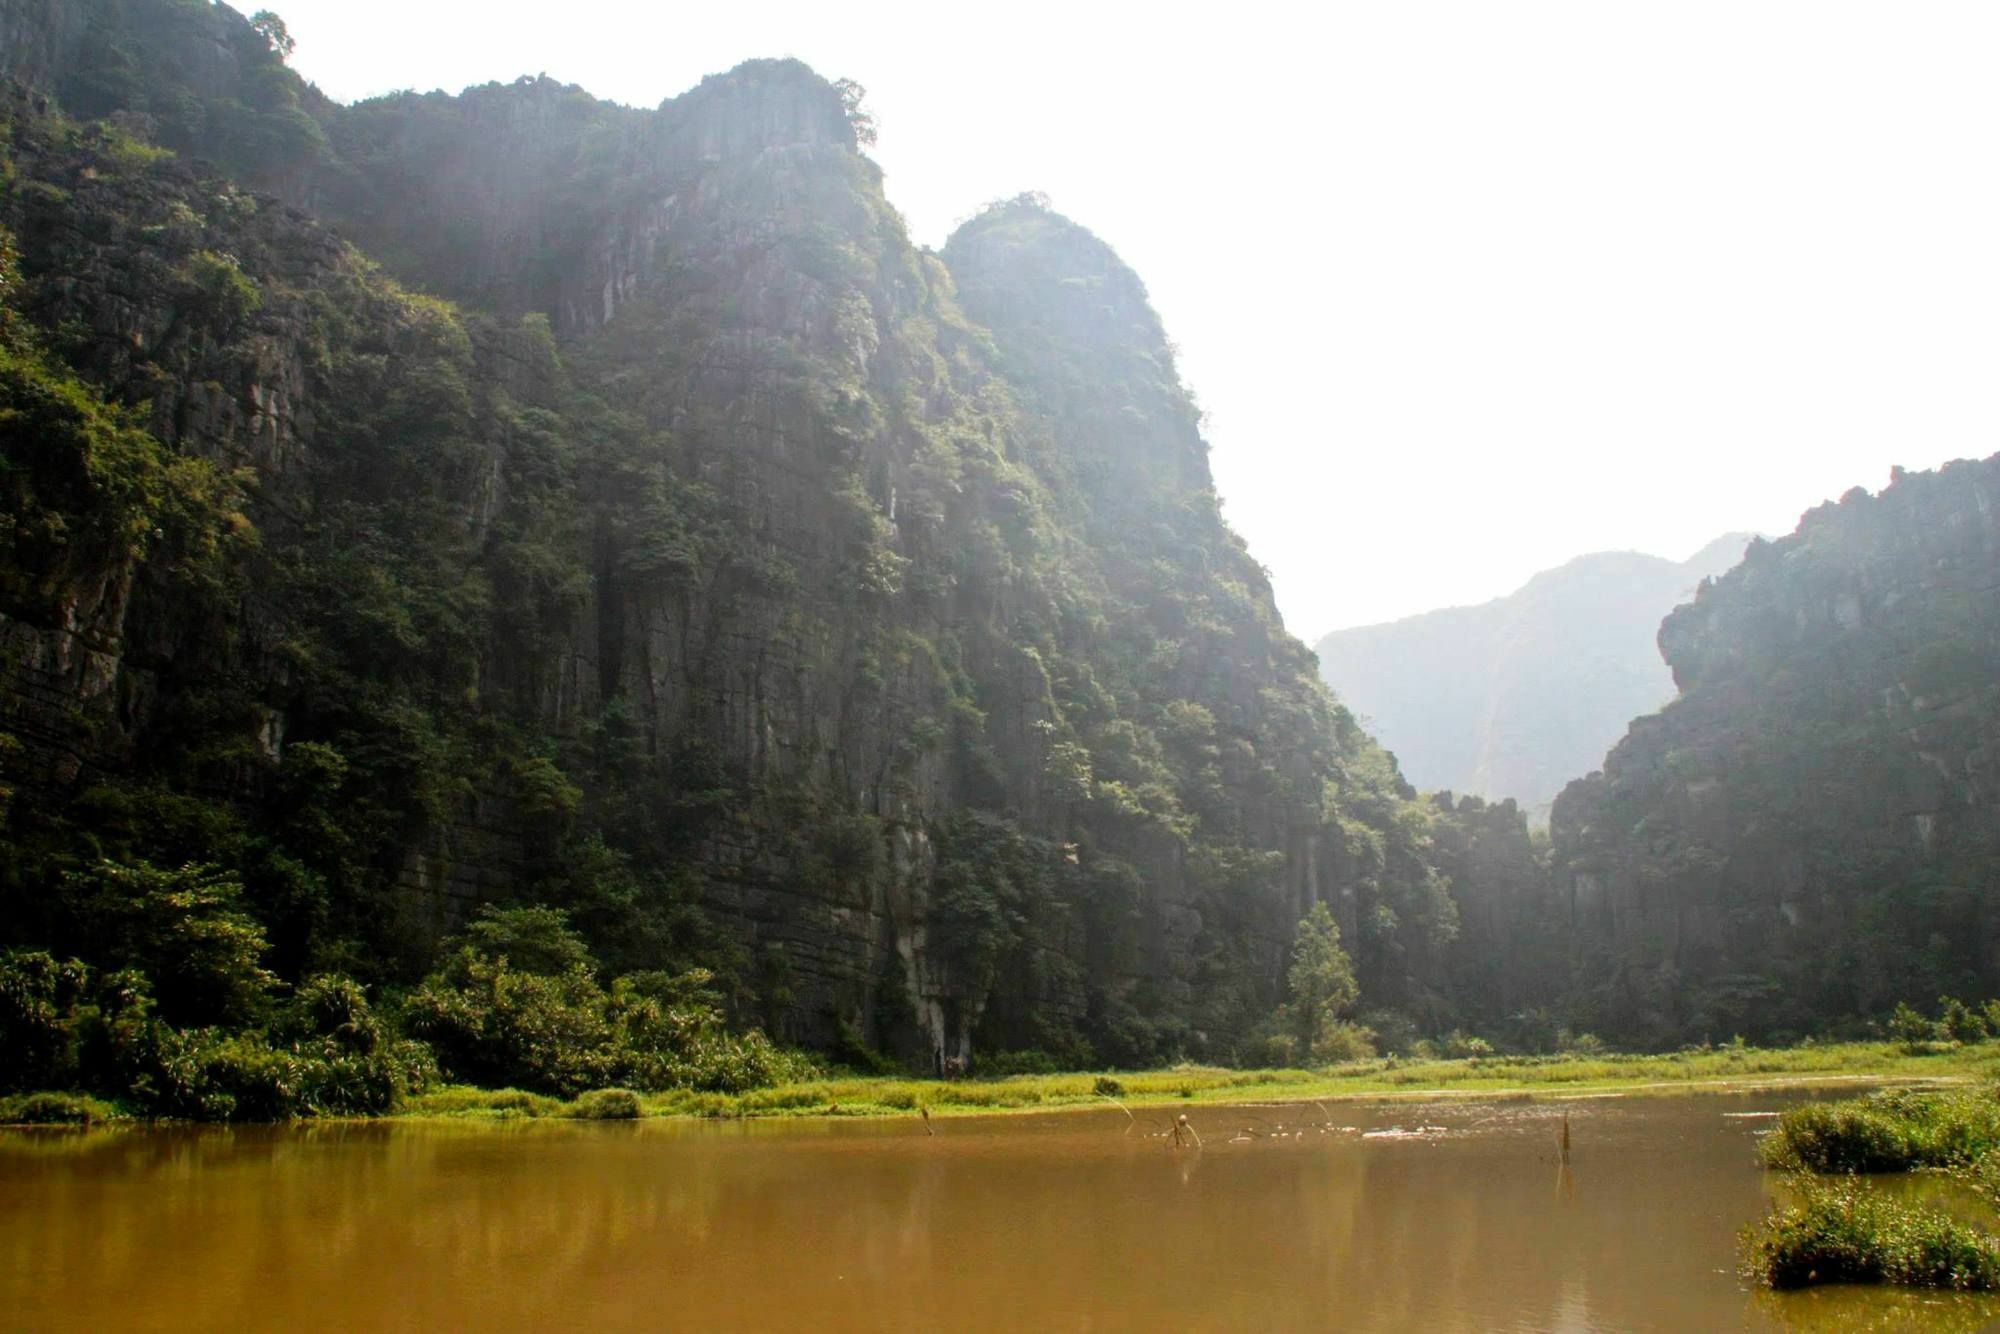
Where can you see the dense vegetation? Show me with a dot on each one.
(1806, 835)
(1845, 1231)
(844, 639)
(510, 588)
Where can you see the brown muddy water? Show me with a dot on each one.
(1287, 1217)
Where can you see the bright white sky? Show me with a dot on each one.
(1467, 289)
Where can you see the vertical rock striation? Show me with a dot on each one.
(1810, 829)
(721, 567)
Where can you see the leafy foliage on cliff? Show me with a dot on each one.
(768, 596)
(1807, 832)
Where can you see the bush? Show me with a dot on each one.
(1845, 1233)
(1458, 1045)
(1272, 1051)
(1104, 1086)
(1340, 1042)
(1911, 1029)
(606, 1105)
(1959, 1023)
(39, 997)
(1990, 1013)
(48, 1109)
(496, 1025)
(185, 929)
(212, 1075)
(1392, 1032)
(1886, 1132)
(548, 1025)
(1006, 1063)
(332, 1009)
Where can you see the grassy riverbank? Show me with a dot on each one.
(1714, 1070)
(1720, 1069)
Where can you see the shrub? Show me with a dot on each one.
(1458, 1045)
(1031, 1062)
(546, 1024)
(1340, 1042)
(493, 1024)
(46, 1109)
(606, 1105)
(1277, 1050)
(333, 1009)
(1959, 1023)
(1886, 1132)
(208, 1074)
(185, 929)
(39, 996)
(1104, 1086)
(1394, 1033)
(1845, 1233)
(1911, 1029)
(1990, 1013)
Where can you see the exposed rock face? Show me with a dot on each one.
(1515, 697)
(1810, 829)
(38, 38)
(781, 613)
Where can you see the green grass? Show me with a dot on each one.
(52, 1109)
(483, 1104)
(605, 1105)
(1895, 1131)
(1546, 1076)
(1844, 1232)
(1715, 1069)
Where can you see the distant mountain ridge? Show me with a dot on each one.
(1517, 696)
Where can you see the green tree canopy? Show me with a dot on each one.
(1321, 979)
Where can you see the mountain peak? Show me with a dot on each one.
(1514, 697)
(767, 103)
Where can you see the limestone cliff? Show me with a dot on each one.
(764, 590)
(1809, 831)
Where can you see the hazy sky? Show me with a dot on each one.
(1467, 289)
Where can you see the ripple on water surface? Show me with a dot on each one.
(1391, 1216)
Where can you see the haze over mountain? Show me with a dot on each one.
(1517, 696)
(586, 576)
(440, 503)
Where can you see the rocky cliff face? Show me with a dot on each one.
(1809, 830)
(1517, 696)
(764, 590)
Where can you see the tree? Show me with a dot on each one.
(273, 30)
(1321, 978)
(851, 94)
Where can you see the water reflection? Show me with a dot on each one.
(1390, 1218)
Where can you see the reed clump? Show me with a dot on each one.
(1841, 1231)
(1896, 1131)
(55, 1109)
(605, 1105)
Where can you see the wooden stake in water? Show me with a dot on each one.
(1565, 1138)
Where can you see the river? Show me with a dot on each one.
(1385, 1216)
